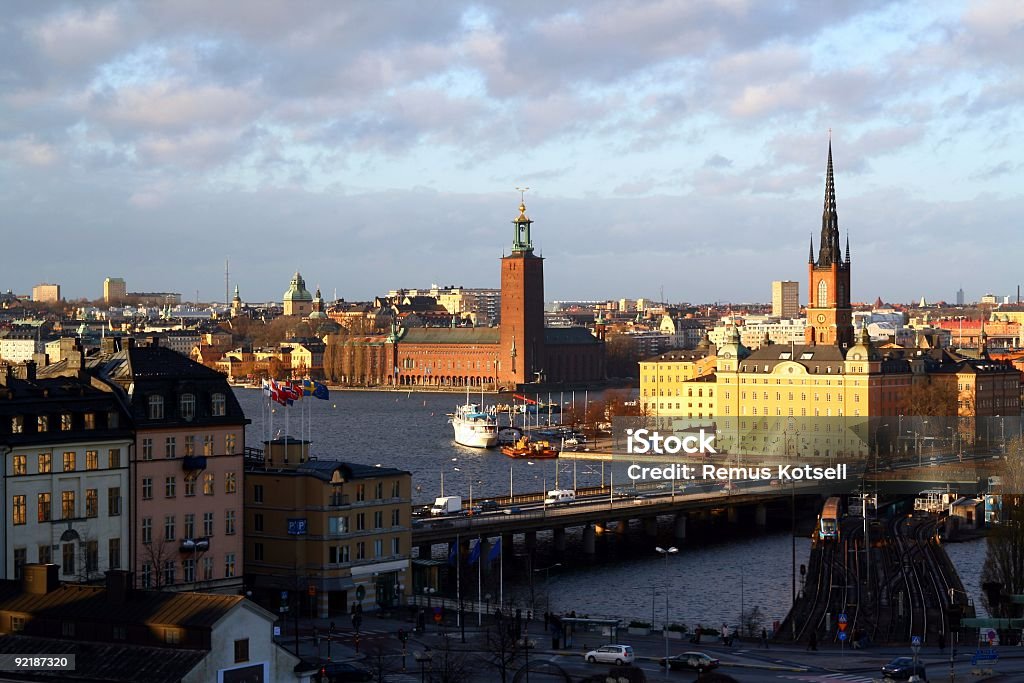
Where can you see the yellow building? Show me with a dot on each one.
(338, 533)
(667, 382)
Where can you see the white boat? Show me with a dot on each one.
(474, 427)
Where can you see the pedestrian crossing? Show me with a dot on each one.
(831, 678)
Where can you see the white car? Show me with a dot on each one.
(611, 654)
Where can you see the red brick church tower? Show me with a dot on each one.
(522, 308)
(829, 316)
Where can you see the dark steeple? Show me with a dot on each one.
(847, 247)
(810, 253)
(829, 252)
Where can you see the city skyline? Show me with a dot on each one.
(671, 145)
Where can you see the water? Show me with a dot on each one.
(968, 558)
(709, 580)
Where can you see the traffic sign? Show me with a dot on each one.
(842, 635)
(842, 617)
(991, 635)
(915, 644)
(437, 617)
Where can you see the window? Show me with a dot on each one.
(208, 444)
(69, 461)
(218, 405)
(67, 629)
(378, 548)
(113, 501)
(65, 422)
(45, 554)
(379, 490)
(242, 650)
(190, 525)
(187, 406)
(114, 458)
(119, 632)
(229, 522)
(230, 442)
(156, 407)
(257, 521)
(45, 462)
(67, 552)
(169, 527)
(170, 447)
(147, 530)
(67, 504)
(17, 624)
(92, 460)
(190, 486)
(337, 525)
(396, 489)
(208, 484)
(360, 521)
(19, 514)
(257, 551)
(170, 487)
(207, 524)
(147, 449)
(90, 420)
(190, 445)
(188, 570)
(257, 493)
(338, 554)
(20, 464)
(207, 568)
(229, 565)
(43, 506)
(92, 557)
(92, 503)
(229, 482)
(360, 492)
(17, 424)
(378, 519)
(360, 550)
(395, 517)
(43, 423)
(396, 546)
(113, 420)
(147, 574)
(169, 567)
(147, 488)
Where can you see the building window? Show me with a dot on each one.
(169, 527)
(190, 486)
(229, 482)
(170, 487)
(156, 408)
(257, 551)
(147, 574)
(170, 447)
(207, 524)
(92, 503)
(147, 530)
(188, 569)
(65, 422)
(43, 506)
(218, 405)
(69, 461)
(187, 406)
(45, 554)
(229, 565)
(229, 522)
(360, 492)
(379, 490)
(147, 488)
(67, 504)
(43, 423)
(360, 550)
(20, 464)
(113, 420)
(337, 525)
(257, 522)
(17, 424)
(230, 442)
(67, 628)
(360, 521)
(396, 546)
(396, 489)
(257, 493)
(19, 514)
(169, 572)
(114, 501)
(45, 463)
(395, 517)
(190, 525)
(67, 552)
(119, 632)
(208, 444)
(147, 449)
(378, 519)
(114, 458)
(378, 547)
(92, 460)
(90, 420)
(207, 568)
(92, 557)
(208, 484)
(190, 445)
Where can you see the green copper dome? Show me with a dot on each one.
(297, 290)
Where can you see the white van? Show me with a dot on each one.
(560, 497)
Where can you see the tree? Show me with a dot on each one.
(1003, 570)
(158, 553)
(502, 647)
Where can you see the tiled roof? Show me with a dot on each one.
(556, 336)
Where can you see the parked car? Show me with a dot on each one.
(611, 654)
(691, 661)
(902, 668)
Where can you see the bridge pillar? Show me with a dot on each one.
(425, 550)
(651, 526)
(589, 540)
(559, 539)
(530, 538)
(761, 515)
(733, 515)
(679, 530)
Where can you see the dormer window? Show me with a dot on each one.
(218, 405)
(65, 422)
(155, 408)
(187, 406)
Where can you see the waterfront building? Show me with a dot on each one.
(119, 634)
(332, 534)
(65, 445)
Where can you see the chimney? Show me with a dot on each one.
(108, 345)
(119, 586)
(41, 359)
(6, 375)
(40, 579)
(30, 371)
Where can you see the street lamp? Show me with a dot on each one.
(547, 597)
(672, 550)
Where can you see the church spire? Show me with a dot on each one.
(847, 246)
(830, 251)
(810, 252)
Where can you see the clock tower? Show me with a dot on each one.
(522, 308)
(829, 316)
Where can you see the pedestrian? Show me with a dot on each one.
(697, 634)
(725, 635)
(942, 642)
(764, 638)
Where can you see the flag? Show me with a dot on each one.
(307, 387)
(453, 549)
(276, 393)
(320, 391)
(495, 551)
(474, 554)
(294, 390)
(266, 387)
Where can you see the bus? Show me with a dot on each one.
(828, 525)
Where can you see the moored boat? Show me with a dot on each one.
(532, 450)
(474, 427)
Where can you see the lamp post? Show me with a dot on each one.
(672, 550)
(547, 598)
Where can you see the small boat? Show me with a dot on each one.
(509, 435)
(530, 450)
(474, 427)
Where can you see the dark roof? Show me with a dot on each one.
(54, 397)
(450, 335)
(558, 336)
(107, 662)
(324, 469)
(156, 362)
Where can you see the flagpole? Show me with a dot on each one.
(479, 580)
(458, 579)
(501, 574)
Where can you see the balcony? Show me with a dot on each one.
(339, 500)
(193, 463)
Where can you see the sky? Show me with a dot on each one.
(674, 147)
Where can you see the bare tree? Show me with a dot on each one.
(157, 554)
(1003, 571)
(502, 647)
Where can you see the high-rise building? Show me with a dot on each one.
(46, 292)
(785, 299)
(114, 290)
(960, 297)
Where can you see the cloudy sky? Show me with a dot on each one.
(676, 146)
